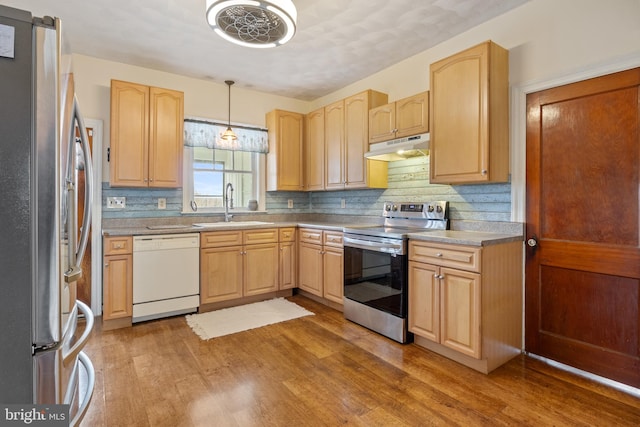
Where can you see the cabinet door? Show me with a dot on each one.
(334, 146)
(465, 121)
(356, 139)
(314, 151)
(288, 265)
(333, 271)
(360, 172)
(460, 311)
(166, 118)
(424, 301)
(412, 115)
(118, 287)
(310, 268)
(382, 123)
(260, 269)
(220, 274)
(128, 166)
(284, 160)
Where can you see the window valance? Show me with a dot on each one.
(202, 133)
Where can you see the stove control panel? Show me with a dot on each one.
(428, 210)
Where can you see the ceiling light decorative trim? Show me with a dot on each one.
(253, 23)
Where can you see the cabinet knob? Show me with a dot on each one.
(106, 264)
(484, 171)
(439, 254)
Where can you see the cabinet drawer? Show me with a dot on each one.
(287, 234)
(214, 239)
(332, 238)
(118, 245)
(311, 235)
(264, 235)
(456, 256)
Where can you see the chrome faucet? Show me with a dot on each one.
(228, 202)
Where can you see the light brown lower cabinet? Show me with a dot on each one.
(288, 257)
(117, 273)
(465, 302)
(321, 261)
(236, 264)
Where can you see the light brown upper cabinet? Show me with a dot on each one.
(314, 150)
(405, 117)
(146, 136)
(469, 116)
(346, 133)
(284, 160)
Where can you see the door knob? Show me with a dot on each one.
(533, 242)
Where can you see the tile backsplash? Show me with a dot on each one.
(408, 181)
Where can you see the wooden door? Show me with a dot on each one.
(333, 274)
(460, 311)
(334, 146)
(583, 175)
(356, 139)
(129, 134)
(220, 274)
(382, 123)
(166, 122)
(412, 115)
(260, 269)
(424, 301)
(314, 151)
(285, 158)
(310, 268)
(288, 264)
(118, 286)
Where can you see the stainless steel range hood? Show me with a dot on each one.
(399, 149)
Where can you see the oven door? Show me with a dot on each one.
(376, 279)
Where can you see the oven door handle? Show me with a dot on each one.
(374, 246)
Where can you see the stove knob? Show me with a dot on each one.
(395, 208)
(430, 208)
(439, 209)
(387, 207)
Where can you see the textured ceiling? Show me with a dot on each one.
(338, 42)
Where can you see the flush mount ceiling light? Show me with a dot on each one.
(253, 23)
(228, 134)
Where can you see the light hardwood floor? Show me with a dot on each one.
(324, 371)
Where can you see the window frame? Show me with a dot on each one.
(259, 176)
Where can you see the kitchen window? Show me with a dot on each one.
(210, 164)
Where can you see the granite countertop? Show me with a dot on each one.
(214, 226)
(471, 238)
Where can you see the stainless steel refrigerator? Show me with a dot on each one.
(44, 328)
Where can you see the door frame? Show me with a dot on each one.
(518, 167)
(96, 217)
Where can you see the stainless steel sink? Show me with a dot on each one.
(223, 224)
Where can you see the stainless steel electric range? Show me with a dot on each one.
(376, 266)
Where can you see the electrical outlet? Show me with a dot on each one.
(162, 203)
(343, 203)
(116, 202)
(290, 204)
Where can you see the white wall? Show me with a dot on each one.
(546, 39)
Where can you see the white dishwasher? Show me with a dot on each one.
(166, 275)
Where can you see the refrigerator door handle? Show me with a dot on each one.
(77, 246)
(88, 193)
(84, 360)
(70, 355)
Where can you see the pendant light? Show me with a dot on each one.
(228, 134)
(253, 23)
